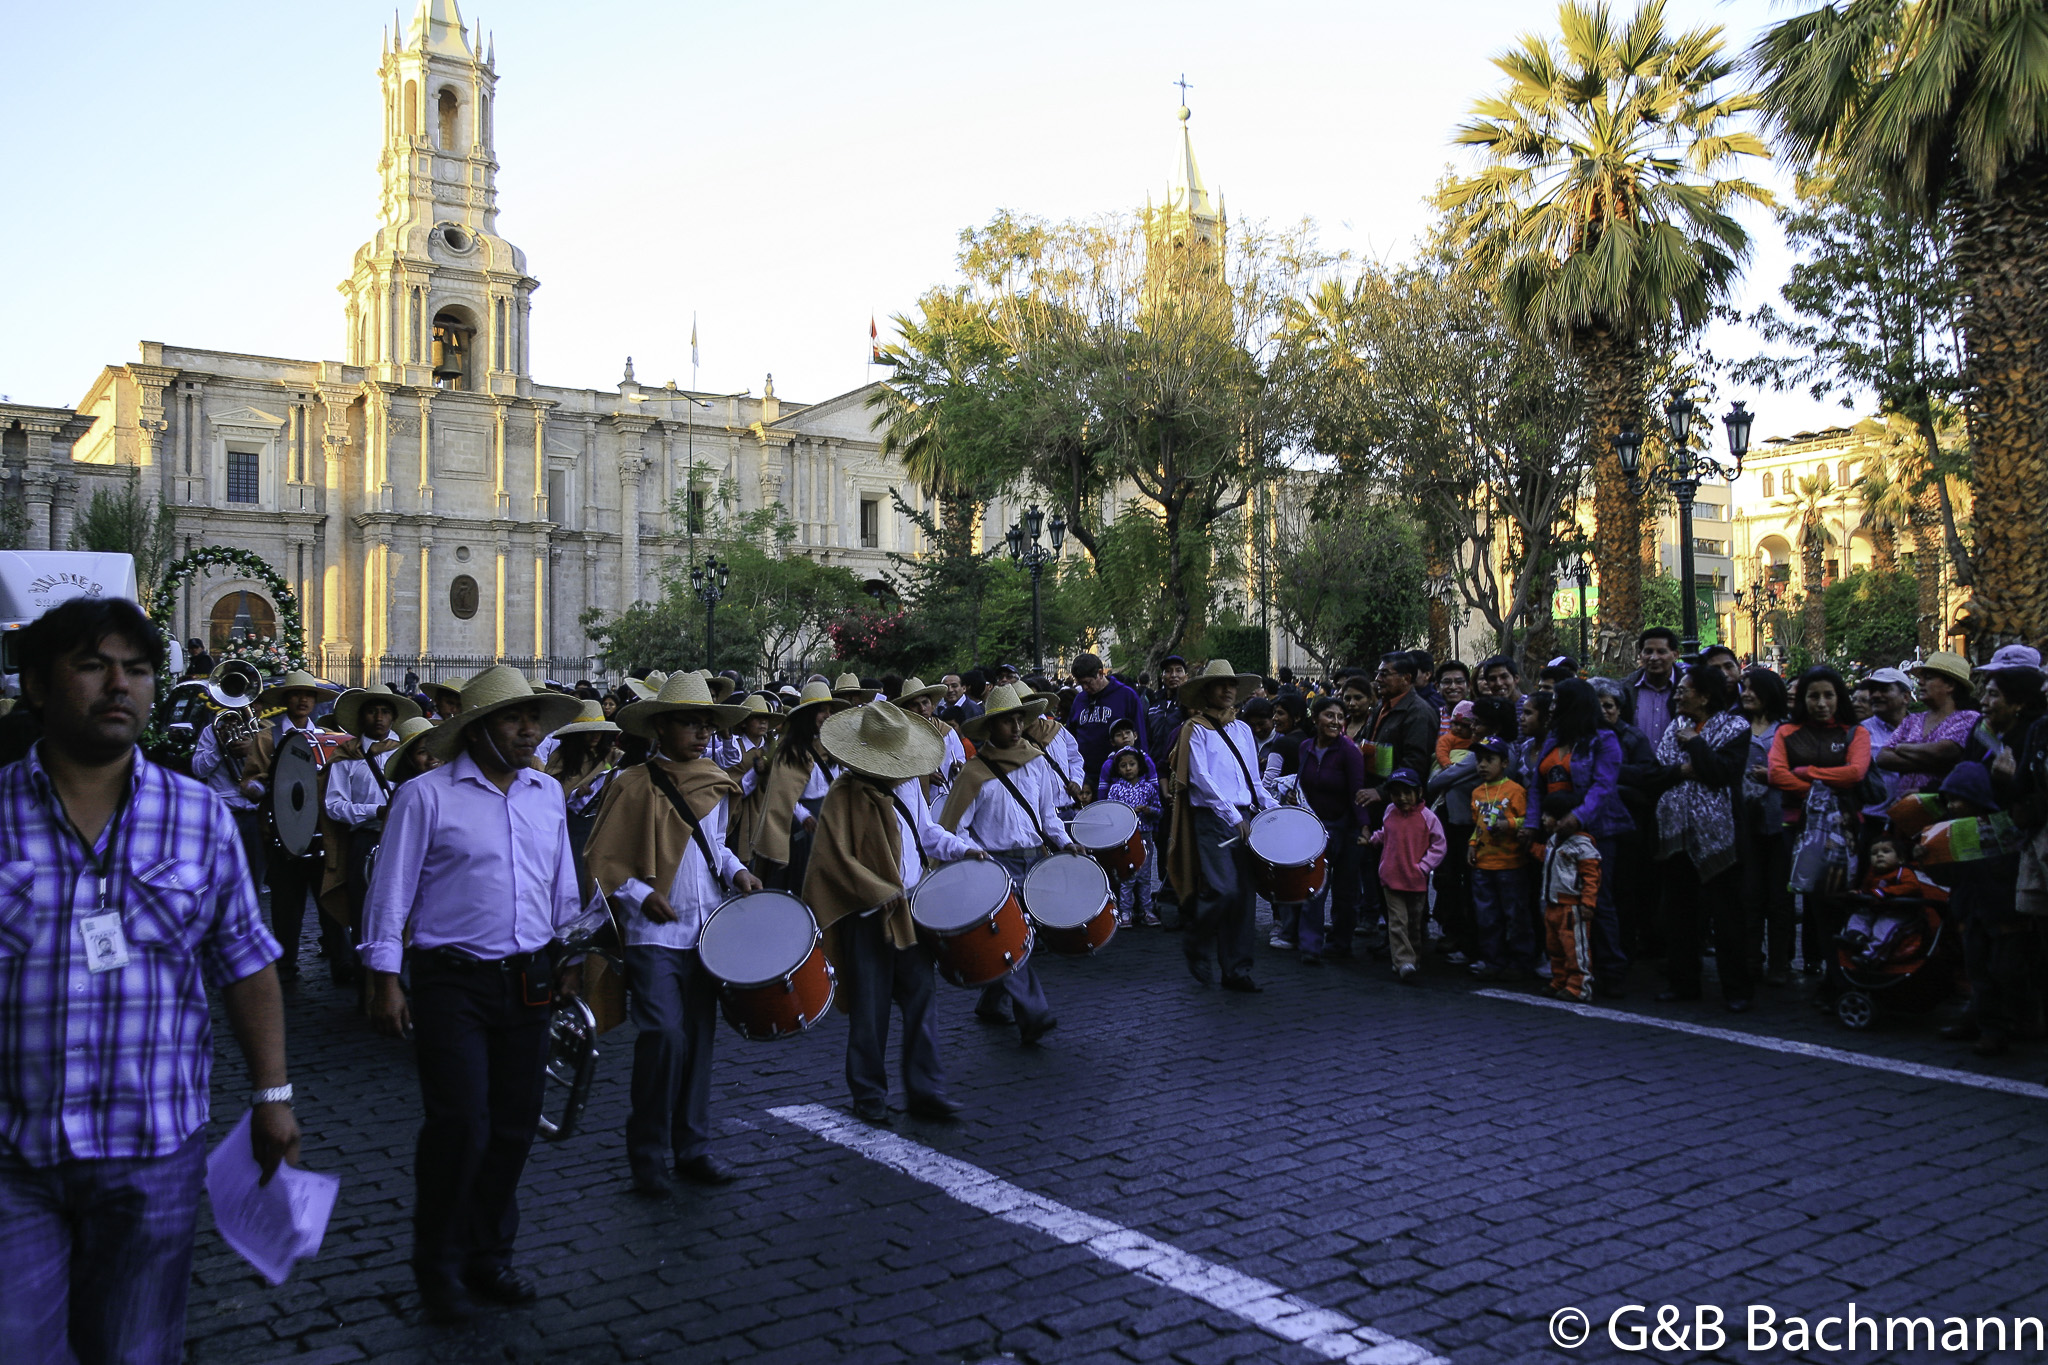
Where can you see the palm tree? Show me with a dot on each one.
(936, 414)
(1808, 507)
(1885, 503)
(1942, 105)
(1601, 216)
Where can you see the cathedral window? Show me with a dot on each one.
(451, 351)
(1770, 486)
(244, 480)
(870, 524)
(696, 511)
(448, 107)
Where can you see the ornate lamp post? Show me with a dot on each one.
(1757, 599)
(709, 581)
(1682, 471)
(1023, 539)
(1579, 568)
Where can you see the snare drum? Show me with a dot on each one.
(1069, 899)
(968, 915)
(1289, 843)
(765, 951)
(1108, 830)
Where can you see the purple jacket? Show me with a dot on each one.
(1596, 779)
(1332, 778)
(1095, 716)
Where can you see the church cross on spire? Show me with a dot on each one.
(1185, 86)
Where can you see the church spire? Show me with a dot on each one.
(1188, 215)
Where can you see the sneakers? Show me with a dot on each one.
(1123, 919)
(1151, 920)
(1456, 958)
(1485, 971)
(1408, 974)
(1278, 942)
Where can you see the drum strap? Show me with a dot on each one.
(1011, 788)
(1251, 787)
(911, 824)
(383, 782)
(675, 798)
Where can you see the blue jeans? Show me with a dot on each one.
(1500, 909)
(1339, 894)
(96, 1257)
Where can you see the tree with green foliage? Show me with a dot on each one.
(1807, 506)
(124, 520)
(1941, 107)
(1603, 215)
(1347, 582)
(1873, 618)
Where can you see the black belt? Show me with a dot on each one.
(462, 962)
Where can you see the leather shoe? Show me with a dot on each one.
(1031, 1035)
(873, 1111)
(652, 1184)
(501, 1285)
(1243, 984)
(999, 1017)
(1959, 1033)
(935, 1107)
(445, 1303)
(1667, 997)
(705, 1169)
(1992, 1044)
(1199, 968)
(1738, 1007)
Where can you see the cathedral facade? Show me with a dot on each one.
(434, 506)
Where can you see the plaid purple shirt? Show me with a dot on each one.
(116, 1065)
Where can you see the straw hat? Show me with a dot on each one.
(757, 705)
(348, 711)
(682, 692)
(589, 721)
(409, 733)
(914, 688)
(848, 688)
(1002, 700)
(1191, 691)
(1943, 664)
(298, 680)
(492, 691)
(721, 687)
(640, 690)
(814, 694)
(883, 740)
(451, 688)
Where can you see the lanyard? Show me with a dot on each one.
(102, 867)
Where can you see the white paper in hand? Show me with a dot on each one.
(270, 1225)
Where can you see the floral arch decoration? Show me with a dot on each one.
(288, 651)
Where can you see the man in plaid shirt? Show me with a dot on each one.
(123, 895)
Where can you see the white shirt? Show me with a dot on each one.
(693, 895)
(487, 873)
(997, 822)
(353, 796)
(215, 768)
(1065, 754)
(934, 839)
(1216, 783)
(545, 750)
(949, 768)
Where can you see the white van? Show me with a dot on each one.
(33, 581)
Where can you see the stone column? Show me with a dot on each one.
(425, 493)
(426, 641)
(541, 587)
(327, 620)
(631, 466)
(541, 510)
(501, 551)
(502, 501)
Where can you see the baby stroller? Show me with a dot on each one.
(1911, 974)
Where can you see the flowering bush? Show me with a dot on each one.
(868, 636)
(269, 655)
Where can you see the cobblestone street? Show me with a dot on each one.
(1443, 1169)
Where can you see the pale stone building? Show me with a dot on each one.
(434, 505)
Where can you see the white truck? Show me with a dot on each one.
(33, 581)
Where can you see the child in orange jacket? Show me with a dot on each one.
(1571, 888)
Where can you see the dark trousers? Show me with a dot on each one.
(787, 876)
(97, 1256)
(1629, 896)
(1223, 907)
(1334, 908)
(1694, 907)
(674, 1004)
(255, 844)
(482, 1055)
(579, 835)
(1608, 955)
(1021, 987)
(1453, 881)
(1768, 913)
(1501, 919)
(292, 881)
(1999, 956)
(878, 975)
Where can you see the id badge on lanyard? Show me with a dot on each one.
(106, 943)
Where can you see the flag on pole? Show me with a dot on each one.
(875, 356)
(693, 341)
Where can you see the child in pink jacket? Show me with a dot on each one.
(1411, 845)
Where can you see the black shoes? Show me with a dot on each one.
(934, 1107)
(1032, 1034)
(445, 1304)
(1001, 1017)
(652, 1183)
(705, 1169)
(1243, 985)
(1738, 1006)
(873, 1111)
(501, 1285)
(1965, 1032)
(1667, 997)
(1199, 968)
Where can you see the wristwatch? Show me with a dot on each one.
(277, 1094)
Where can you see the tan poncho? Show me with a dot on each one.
(764, 818)
(639, 834)
(856, 865)
(978, 772)
(1183, 861)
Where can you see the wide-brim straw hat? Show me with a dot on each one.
(1943, 664)
(348, 711)
(815, 694)
(1190, 693)
(757, 705)
(450, 688)
(682, 692)
(915, 689)
(298, 680)
(883, 740)
(589, 721)
(848, 688)
(721, 687)
(495, 690)
(410, 731)
(641, 691)
(1002, 700)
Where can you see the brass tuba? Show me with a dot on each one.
(572, 1063)
(234, 686)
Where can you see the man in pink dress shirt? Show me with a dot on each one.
(476, 861)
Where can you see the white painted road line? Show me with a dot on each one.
(2024, 1089)
(1266, 1306)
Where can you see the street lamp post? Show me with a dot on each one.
(1577, 567)
(1758, 599)
(709, 580)
(1023, 537)
(1681, 473)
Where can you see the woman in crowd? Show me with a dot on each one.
(1931, 742)
(1642, 780)
(1767, 853)
(1332, 771)
(1701, 757)
(1582, 756)
(1818, 761)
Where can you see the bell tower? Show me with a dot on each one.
(437, 298)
